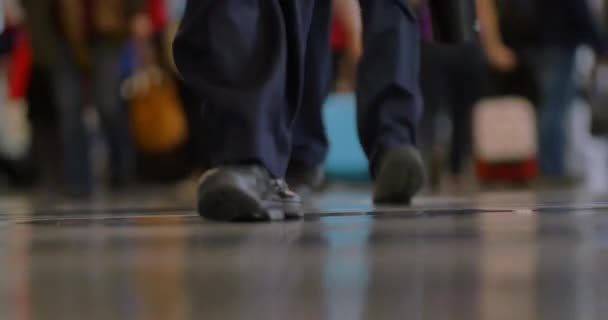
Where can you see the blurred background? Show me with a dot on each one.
(515, 97)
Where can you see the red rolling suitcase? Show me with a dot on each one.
(505, 140)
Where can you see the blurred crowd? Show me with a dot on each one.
(509, 48)
(88, 71)
(498, 80)
(77, 72)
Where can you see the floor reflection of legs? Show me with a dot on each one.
(252, 270)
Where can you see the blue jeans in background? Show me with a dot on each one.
(71, 84)
(557, 91)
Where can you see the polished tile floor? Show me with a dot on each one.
(148, 256)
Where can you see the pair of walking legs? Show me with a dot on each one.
(262, 70)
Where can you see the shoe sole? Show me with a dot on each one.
(400, 177)
(232, 204)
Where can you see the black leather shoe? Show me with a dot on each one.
(399, 177)
(245, 193)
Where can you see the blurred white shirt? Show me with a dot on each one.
(176, 8)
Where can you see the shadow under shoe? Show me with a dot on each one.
(245, 193)
(399, 176)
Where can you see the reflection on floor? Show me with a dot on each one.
(148, 256)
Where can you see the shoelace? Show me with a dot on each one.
(281, 187)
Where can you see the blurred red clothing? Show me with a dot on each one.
(157, 9)
(338, 36)
(20, 65)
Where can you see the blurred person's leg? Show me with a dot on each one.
(309, 140)
(45, 126)
(433, 87)
(464, 74)
(450, 80)
(113, 112)
(557, 92)
(389, 99)
(68, 86)
(246, 60)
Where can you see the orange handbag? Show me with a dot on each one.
(158, 122)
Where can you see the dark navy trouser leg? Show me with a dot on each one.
(245, 58)
(388, 93)
(310, 143)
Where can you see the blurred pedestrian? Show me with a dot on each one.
(15, 64)
(544, 35)
(84, 39)
(451, 65)
(566, 25)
